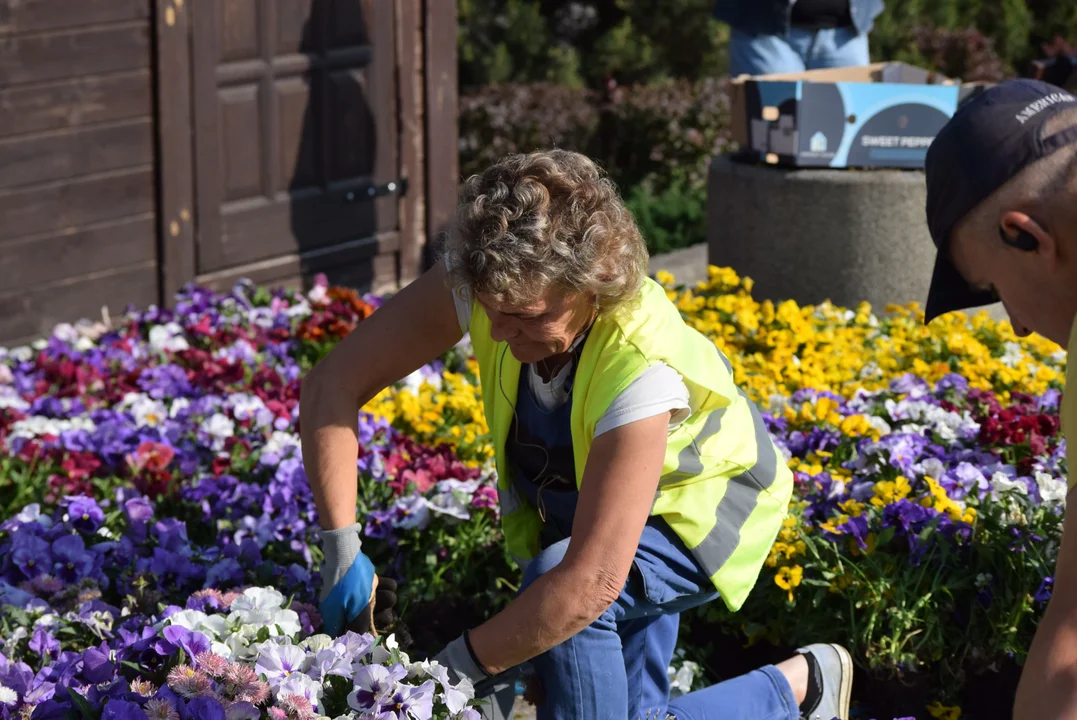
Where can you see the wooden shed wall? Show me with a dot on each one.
(77, 149)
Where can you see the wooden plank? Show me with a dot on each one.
(442, 165)
(257, 230)
(66, 204)
(382, 100)
(209, 180)
(70, 103)
(29, 314)
(53, 56)
(75, 252)
(20, 16)
(409, 58)
(350, 264)
(71, 153)
(175, 162)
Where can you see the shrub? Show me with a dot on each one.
(966, 54)
(654, 134)
(499, 120)
(675, 218)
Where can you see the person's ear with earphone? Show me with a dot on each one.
(1023, 240)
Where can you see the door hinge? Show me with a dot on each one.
(393, 187)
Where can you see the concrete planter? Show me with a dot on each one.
(814, 235)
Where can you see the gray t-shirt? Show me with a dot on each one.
(658, 389)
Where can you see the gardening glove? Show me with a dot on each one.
(496, 694)
(350, 589)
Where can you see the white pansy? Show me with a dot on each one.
(148, 412)
(21, 354)
(245, 406)
(38, 426)
(6, 376)
(168, 337)
(281, 443)
(776, 404)
(681, 679)
(318, 295)
(1012, 354)
(299, 309)
(317, 643)
(178, 405)
(1052, 490)
(1001, 482)
(220, 648)
(46, 621)
(984, 579)
(65, 332)
(879, 425)
(932, 467)
(10, 398)
(212, 626)
(258, 598)
(219, 427)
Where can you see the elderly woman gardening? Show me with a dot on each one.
(635, 480)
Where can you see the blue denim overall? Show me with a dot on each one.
(616, 668)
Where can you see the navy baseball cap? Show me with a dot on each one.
(989, 140)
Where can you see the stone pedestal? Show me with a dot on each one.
(813, 234)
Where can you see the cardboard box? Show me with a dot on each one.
(881, 115)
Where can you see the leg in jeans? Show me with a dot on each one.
(583, 677)
(840, 47)
(762, 694)
(761, 55)
(647, 645)
(616, 668)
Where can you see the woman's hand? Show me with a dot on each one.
(410, 329)
(619, 485)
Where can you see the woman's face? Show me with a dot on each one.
(541, 329)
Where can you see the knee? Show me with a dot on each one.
(546, 561)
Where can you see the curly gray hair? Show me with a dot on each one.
(551, 218)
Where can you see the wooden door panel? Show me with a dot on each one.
(295, 110)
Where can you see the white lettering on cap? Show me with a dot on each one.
(1040, 105)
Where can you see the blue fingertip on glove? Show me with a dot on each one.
(348, 597)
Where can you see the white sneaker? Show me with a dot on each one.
(836, 666)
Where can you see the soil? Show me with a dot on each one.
(433, 624)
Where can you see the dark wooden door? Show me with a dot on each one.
(295, 121)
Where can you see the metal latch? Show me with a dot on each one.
(393, 187)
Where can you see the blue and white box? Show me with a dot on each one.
(881, 115)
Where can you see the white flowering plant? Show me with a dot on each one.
(245, 652)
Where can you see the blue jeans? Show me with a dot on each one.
(616, 668)
(797, 51)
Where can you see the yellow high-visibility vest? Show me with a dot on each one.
(724, 487)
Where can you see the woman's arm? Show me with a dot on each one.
(411, 329)
(619, 484)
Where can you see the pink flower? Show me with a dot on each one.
(275, 713)
(212, 664)
(143, 687)
(485, 497)
(160, 709)
(296, 706)
(189, 683)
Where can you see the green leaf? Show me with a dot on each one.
(84, 707)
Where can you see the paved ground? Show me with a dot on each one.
(688, 266)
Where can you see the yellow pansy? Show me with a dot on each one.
(788, 578)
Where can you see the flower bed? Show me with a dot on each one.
(151, 470)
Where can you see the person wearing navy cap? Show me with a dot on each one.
(1002, 211)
